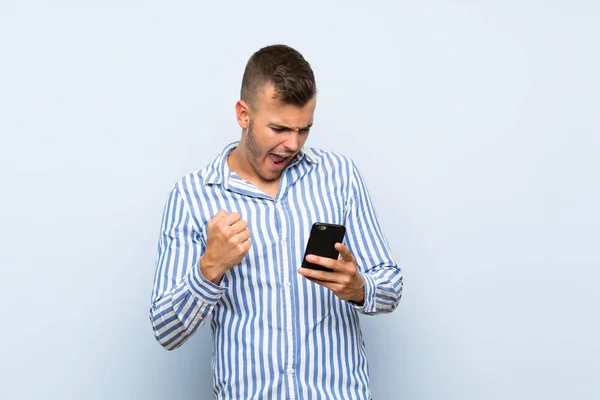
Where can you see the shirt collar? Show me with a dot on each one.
(218, 171)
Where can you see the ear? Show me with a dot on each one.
(242, 112)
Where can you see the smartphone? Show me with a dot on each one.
(321, 242)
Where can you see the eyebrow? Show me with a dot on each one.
(280, 126)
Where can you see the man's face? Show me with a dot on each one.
(276, 133)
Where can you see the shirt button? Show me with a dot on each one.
(290, 371)
(287, 284)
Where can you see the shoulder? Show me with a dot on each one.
(194, 183)
(338, 166)
(213, 173)
(330, 159)
(198, 181)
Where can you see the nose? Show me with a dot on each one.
(291, 143)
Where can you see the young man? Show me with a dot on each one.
(233, 237)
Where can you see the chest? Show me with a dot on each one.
(279, 226)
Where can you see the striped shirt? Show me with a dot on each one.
(276, 335)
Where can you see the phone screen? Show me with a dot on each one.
(321, 242)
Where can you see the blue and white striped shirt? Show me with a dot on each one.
(277, 335)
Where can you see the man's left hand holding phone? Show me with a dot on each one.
(344, 280)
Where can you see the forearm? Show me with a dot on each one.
(177, 314)
(383, 290)
(381, 274)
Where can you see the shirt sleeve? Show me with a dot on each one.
(366, 241)
(182, 299)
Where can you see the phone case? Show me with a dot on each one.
(321, 242)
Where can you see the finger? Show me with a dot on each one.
(344, 252)
(327, 284)
(244, 235)
(322, 261)
(321, 276)
(334, 287)
(231, 219)
(246, 246)
(238, 227)
(218, 216)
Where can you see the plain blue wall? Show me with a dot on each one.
(476, 125)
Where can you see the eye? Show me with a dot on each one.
(278, 130)
(305, 130)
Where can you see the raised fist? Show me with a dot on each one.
(227, 243)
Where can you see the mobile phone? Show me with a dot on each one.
(321, 242)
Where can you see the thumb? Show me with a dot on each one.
(222, 213)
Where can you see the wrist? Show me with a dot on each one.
(210, 270)
(359, 299)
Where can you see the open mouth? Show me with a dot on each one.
(277, 160)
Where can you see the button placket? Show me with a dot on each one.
(288, 299)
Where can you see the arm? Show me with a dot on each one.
(182, 298)
(372, 281)
(382, 277)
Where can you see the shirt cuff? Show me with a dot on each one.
(205, 290)
(370, 287)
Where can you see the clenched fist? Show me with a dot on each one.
(227, 243)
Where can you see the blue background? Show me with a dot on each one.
(475, 124)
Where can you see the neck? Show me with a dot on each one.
(239, 163)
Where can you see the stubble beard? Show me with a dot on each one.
(255, 153)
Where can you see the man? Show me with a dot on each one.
(232, 241)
